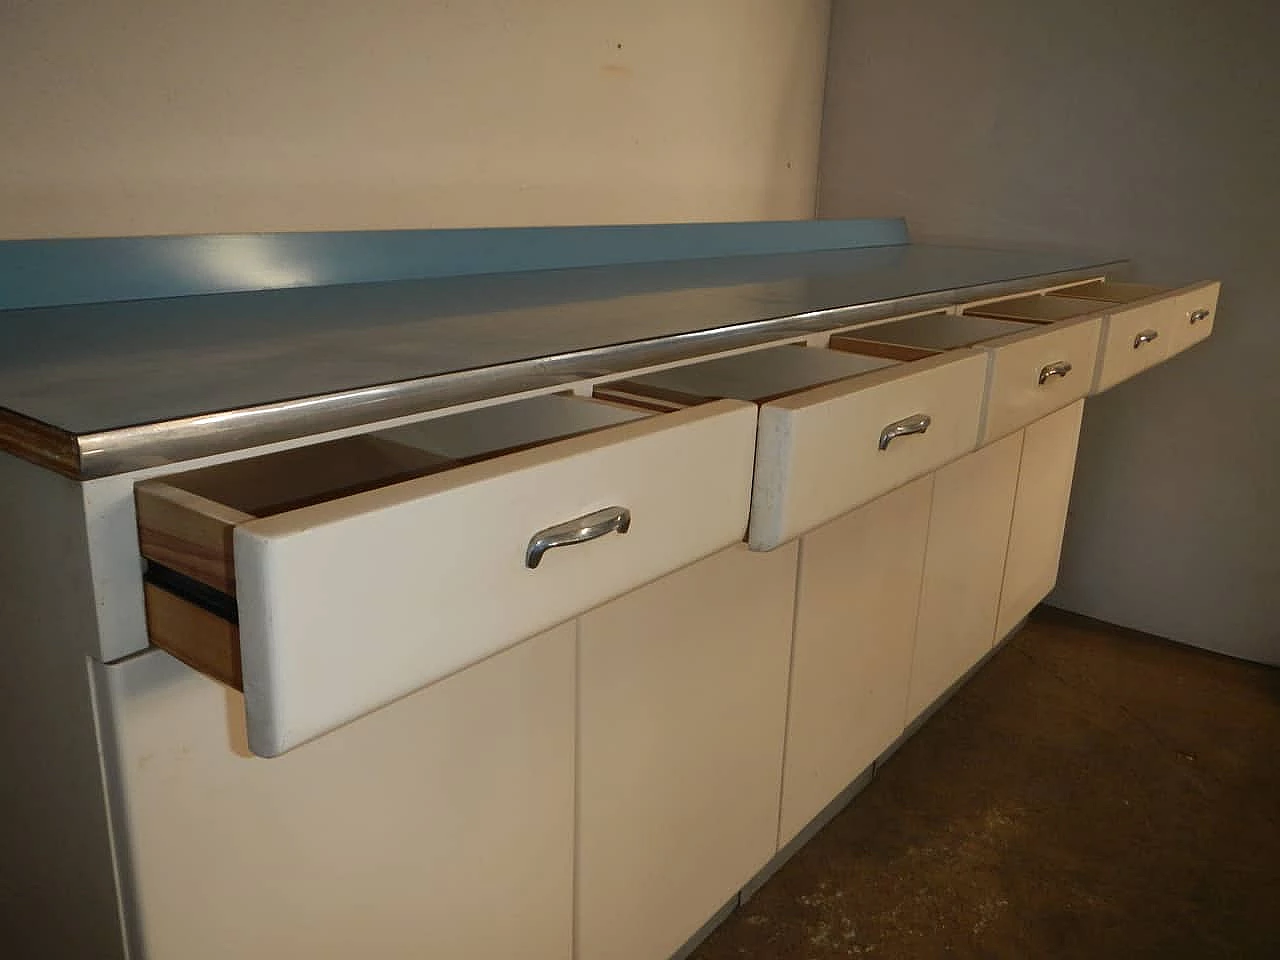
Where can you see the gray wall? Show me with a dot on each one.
(1151, 130)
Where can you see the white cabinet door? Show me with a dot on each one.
(859, 588)
(682, 709)
(964, 567)
(1039, 514)
(439, 826)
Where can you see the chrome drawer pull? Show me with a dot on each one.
(1146, 336)
(591, 526)
(1198, 315)
(1059, 369)
(916, 423)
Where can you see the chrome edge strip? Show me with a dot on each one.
(122, 450)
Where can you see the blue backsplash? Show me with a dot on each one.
(39, 273)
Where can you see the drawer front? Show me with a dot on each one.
(347, 605)
(1127, 345)
(818, 452)
(1035, 373)
(1191, 316)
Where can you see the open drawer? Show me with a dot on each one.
(836, 428)
(330, 580)
(1142, 325)
(1036, 368)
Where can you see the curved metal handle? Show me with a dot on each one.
(590, 526)
(1059, 369)
(1198, 315)
(916, 423)
(1146, 336)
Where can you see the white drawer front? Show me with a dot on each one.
(1037, 372)
(818, 456)
(1134, 339)
(347, 605)
(1191, 316)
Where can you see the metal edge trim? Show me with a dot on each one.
(122, 450)
(39, 443)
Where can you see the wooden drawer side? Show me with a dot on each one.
(188, 533)
(1048, 308)
(202, 639)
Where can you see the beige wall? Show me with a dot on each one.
(183, 116)
(1149, 130)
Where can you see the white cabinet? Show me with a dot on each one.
(1039, 514)
(682, 708)
(458, 767)
(439, 826)
(857, 596)
(964, 567)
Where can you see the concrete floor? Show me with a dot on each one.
(1089, 793)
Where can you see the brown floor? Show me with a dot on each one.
(1089, 793)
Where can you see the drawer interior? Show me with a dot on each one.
(1038, 308)
(758, 377)
(492, 431)
(914, 338)
(186, 520)
(1110, 291)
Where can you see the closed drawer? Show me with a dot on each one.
(837, 428)
(1141, 325)
(328, 581)
(1036, 368)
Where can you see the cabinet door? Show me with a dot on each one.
(682, 709)
(439, 826)
(859, 587)
(964, 566)
(1039, 514)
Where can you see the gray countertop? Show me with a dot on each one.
(117, 386)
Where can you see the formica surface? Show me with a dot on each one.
(96, 367)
